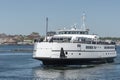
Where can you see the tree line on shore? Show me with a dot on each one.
(110, 38)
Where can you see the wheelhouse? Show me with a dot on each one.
(73, 32)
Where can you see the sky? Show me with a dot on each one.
(27, 16)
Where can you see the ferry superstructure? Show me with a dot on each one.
(74, 46)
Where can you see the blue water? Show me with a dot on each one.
(21, 66)
(15, 48)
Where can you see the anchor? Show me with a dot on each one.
(62, 54)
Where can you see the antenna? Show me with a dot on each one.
(83, 27)
(46, 28)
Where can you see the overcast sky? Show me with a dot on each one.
(27, 16)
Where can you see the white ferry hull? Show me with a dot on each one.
(73, 53)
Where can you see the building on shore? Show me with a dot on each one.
(19, 39)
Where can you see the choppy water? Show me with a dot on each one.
(21, 66)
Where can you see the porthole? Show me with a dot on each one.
(79, 53)
(66, 53)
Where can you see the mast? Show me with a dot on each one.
(83, 27)
(46, 28)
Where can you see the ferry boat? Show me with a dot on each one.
(74, 46)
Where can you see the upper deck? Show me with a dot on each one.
(76, 36)
(72, 35)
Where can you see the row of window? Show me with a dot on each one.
(109, 47)
(73, 32)
(91, 47)
(60, 40)
(94, 47)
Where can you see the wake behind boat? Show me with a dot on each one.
(74, 46)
